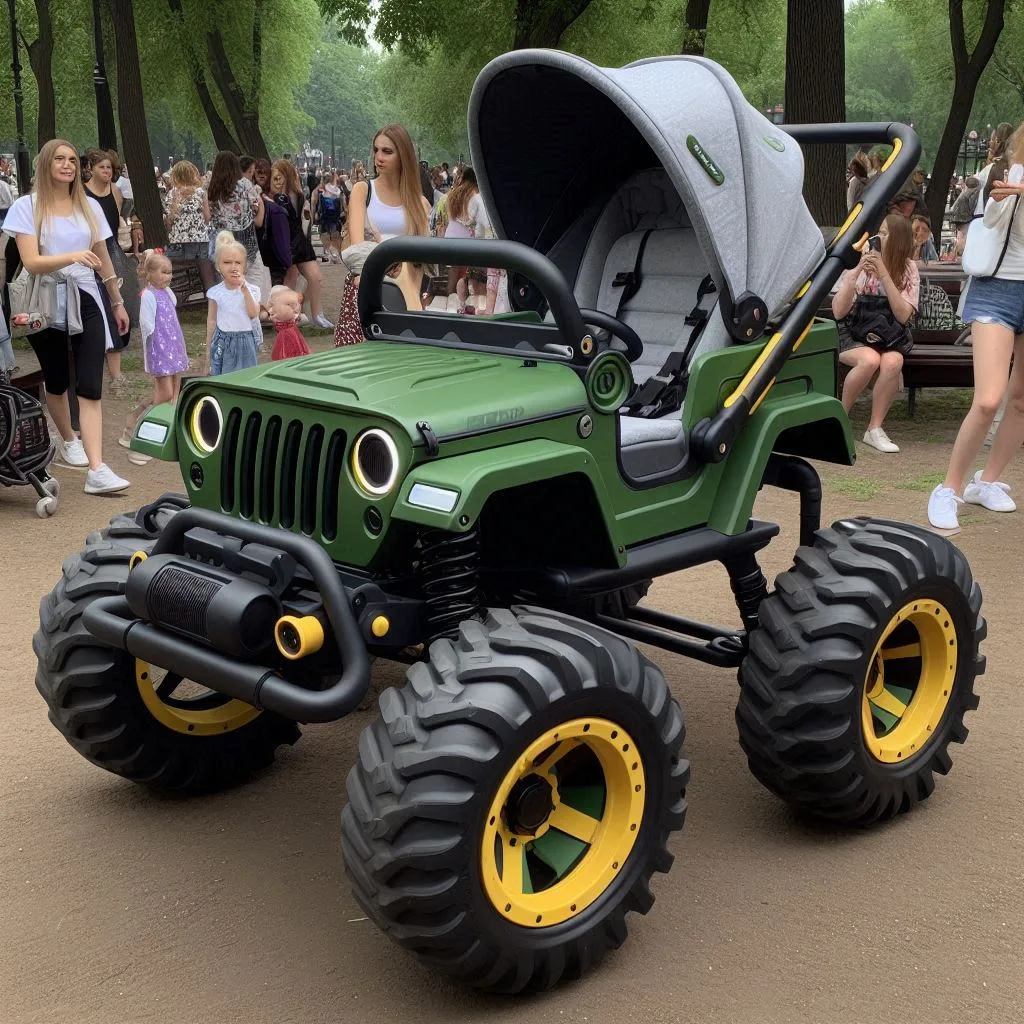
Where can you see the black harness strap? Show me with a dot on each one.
(666, 390)
(630, 280)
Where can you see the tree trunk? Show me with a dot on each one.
(967, 69)
(541, 23)
(816, 93)
(244, 115)
(40, 57)
(106, 129)
(222, 137)
(134, 134)
(695, 37)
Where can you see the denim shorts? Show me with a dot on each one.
(994, 300)
(188, 251)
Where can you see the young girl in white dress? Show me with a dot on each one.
(233, 331)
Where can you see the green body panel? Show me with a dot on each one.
(454, 390)
(501, 420)
(480, 474)
(156, 424)
(745, 467)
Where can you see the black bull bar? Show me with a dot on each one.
(111, 620)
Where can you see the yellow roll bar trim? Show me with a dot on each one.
(771, 383)
(891, 158)
(848, 223)
(769, 347)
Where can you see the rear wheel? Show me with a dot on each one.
(514, 798)
(861, 672)
(124, 715)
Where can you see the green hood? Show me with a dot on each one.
(455, 391)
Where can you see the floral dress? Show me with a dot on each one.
(235, 215)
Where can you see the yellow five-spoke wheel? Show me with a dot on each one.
(862, 670)
(513, 800)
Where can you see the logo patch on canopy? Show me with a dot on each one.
(711, 169)
(775, 142)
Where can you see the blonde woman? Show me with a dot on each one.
(59, 228)
(391, 205)
(188, 220)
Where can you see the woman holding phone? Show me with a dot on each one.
(872, 305)
(994, 306)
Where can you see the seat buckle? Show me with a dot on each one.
(622, 279)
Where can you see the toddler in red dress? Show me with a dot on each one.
(284, 308)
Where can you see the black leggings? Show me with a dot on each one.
(87, 349)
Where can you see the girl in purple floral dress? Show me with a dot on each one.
(165, 358)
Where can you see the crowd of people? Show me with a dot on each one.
(249, 226)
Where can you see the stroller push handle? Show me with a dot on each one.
(477, 252)
(868, 212)
(713, 437)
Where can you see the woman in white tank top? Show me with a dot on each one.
(393, 204)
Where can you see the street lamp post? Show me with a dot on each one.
(21, 156)
(106, 130)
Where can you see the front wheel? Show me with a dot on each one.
(124, 715)
(513, 800)
(861, 671)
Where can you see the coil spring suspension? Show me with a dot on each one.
(449, 570)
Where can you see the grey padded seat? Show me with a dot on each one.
(671, 269)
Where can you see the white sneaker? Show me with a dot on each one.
(302, 320)
(139, 458)
(322, 321)
(879, 440)
(104, 481)
(994, 496)
(72, 453)
(942, 508)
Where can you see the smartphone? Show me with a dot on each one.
(875, 243)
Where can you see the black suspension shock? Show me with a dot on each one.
(450, 573)
(749, 587)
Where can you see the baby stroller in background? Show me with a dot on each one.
(25, 448)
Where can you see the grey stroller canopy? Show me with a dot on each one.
(572, 158)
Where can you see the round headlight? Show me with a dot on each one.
(375, 461)
(206, 424)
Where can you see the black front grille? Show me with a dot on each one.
(282, 473)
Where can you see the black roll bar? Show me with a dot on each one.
(714, 437)
(477, 252)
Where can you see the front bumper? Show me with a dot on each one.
(112, 620)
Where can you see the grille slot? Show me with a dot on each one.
(268, 469)
(247, 469)
(310, 479)
(333, 466)
(289, 467)
(227, 461)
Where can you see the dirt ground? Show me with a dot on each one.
(117, 905)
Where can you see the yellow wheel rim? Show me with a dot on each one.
(208, 714)
(563, 822)
(910, 681)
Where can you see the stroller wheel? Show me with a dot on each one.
(52, 486)
(45, 507)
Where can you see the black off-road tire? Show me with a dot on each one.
(93, 696)
(429, 766)
(803, 680)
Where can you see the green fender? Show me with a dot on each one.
(472, 478)
(744, 469)
(154, 433)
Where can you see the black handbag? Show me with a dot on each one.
(872, 322)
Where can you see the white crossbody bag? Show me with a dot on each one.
(988, 236)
